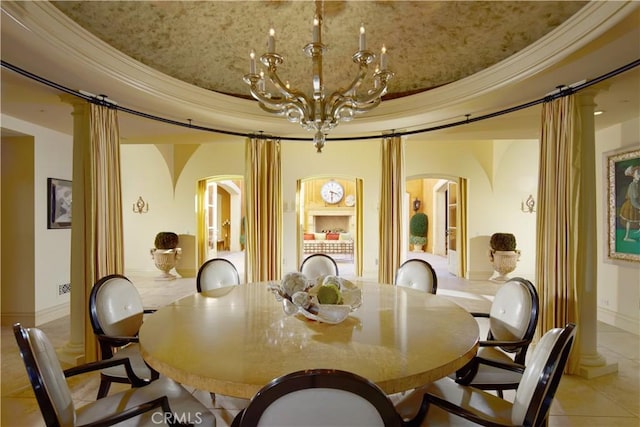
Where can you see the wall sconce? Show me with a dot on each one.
(141, 206)
(416, 204)
(528, 206)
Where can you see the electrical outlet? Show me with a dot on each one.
(604, 302)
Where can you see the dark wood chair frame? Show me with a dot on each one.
(107, 343)
(324, 378)
(204, 266)
(542, 396)
(312, 256)
(519, 348)
(434, 286)
(44, 401)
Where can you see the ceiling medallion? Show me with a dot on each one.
(317, 112)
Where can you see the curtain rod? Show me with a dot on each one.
(562, 91)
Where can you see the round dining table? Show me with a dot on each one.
(235, 340)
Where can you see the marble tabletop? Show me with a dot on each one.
(234, 340)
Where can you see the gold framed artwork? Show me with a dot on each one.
(622, 168)
(58, 203)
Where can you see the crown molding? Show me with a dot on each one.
(66, 41)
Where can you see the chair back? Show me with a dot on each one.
(319, 397)
(417, 274)
(319, 265)
(514, 315)
(115, 308)
(46, 376)
(216, 273)
(541, 376)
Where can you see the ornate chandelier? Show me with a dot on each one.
(317, 112)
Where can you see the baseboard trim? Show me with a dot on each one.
(25, 319)
(618, 320)
(37, 318)
(53, 313)
(479, 275)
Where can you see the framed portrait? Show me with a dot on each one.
(622, 168)
(58, 203)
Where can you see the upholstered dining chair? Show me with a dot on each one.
(216, 273)
(450, 403)
(116, 313)
(151, 405)
(512, 322)
(319, 265)
(321, 397)
(417, 274)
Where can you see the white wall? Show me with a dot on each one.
(619, 281)
(147, 173)
(494, 196)
(515, 178)
(52, 249)
(500, 175)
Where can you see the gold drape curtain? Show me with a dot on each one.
(462, 227)
(97, 211)
(264, 210)
(391, 211)
(359, 228)
(557, 220)
(201, 221)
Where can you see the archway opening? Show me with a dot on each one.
(329, 221)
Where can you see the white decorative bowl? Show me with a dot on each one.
(326, 313)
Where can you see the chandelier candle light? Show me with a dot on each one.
(318, 112)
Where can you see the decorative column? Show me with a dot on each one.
(591, 364)
(73, 351)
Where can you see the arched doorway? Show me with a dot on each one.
(220, 214)
(443, 199)
(329, 213)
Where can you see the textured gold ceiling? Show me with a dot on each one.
(430, 43)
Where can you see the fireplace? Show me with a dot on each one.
(331, 220)
(331, 223)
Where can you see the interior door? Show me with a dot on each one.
(212, 219)
(451, 227)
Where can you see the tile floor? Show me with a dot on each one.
(611, 400)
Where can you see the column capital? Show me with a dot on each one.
(587, 96)
(79, 104)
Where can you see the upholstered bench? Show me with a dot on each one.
(328, 243)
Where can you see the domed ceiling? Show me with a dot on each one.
(429, 43)
(183, 62)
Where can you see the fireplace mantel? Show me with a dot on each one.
(331, 212)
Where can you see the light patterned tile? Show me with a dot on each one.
(21, 412)
(611, 400)
(623, 387)
(576, 396)
(595, 421)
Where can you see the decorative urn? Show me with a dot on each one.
(504, 255)
(166, 254)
